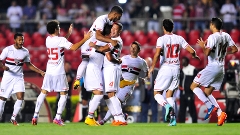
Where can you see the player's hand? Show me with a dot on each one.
(91, 44)
(196, 57)
(87, 35)
(70, 29)
(42, 73)
(5, 68)
(150, 73)
(119, 61)
(201, 43)
(114, 43)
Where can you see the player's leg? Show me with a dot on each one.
(110, 111)
(61, 106)
(80, 72)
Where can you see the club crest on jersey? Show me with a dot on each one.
(17, 61)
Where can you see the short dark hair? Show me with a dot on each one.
(186, 58)
(119, 25)
(107, 29)
(117, 9)
(52, 26)
(217, 22)
(138, 44)
(168, 25)
(17, 34)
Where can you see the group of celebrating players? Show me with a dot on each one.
(110, 77)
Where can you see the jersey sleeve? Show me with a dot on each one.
(99, 23)
(144, 67)
(159, 43)
(64, 43)
(3, 55)
(183, 42)
(27, 58)
(210, 43)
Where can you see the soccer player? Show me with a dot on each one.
(12, 82)
(168, 74)
(97, 28)
(131, 66)
(55, 78)
(211, 77)
(94, 74)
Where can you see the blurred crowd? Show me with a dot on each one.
(35, 13)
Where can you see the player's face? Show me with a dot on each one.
(117, 17)
(115, 31)
(19, 42)
(134, 50)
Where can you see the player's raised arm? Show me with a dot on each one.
(75, 46)
(70, 29)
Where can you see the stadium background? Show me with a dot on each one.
(136, 29)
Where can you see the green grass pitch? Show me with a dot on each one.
(130, 129)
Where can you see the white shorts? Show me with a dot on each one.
(82, 68)
(211, 75)
(56, 83)
(167, 78)
(93, 78)
(124, 93)
(111, 76)
(11, 85)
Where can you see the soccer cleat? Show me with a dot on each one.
(14, 122)
(172, 122)
(101, 122)
(222, 118)
(119, 123)
(34, 121)
(91, 122)
(58, 122)
(76, 84)
(124, 83)
(209, 113)
(169, 109)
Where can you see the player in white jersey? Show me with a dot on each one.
(211, 76)
(94, 74)
(131, 66)
(13, 82)
(168, 75)
(97, 28)
(55, 77)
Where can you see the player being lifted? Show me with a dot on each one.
(211, 77)
(97, 28)
(55, 78)
(13, 82)
(168, 75)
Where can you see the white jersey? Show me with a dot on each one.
(171, 45)
(96, 57)
(55, 49)
(14, 60)
(218, 43)
(98, 24)
(131, 67)
(116, 52)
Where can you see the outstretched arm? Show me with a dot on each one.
(34, 68)
(102, 38)
(75, 46)
(70, 29)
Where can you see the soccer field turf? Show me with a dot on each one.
(131, 129)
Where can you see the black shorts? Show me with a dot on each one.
(85, 95)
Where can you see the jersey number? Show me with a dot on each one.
(222, 49)
(53, 52)
(172, 50)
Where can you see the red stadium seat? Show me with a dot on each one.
(138, 33)
(152, 33)
(3, 42)
(193, 36)
(27, 41)
(40, 41)
(125, 33)
(142, 39)
(36, 35)
(153, 40)
(128, 40)
(182, 33)
(235, 34)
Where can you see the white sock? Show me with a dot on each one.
(39, 102)
(82, 68)
(110, 111)
(2, 105)
(93, 104)
(61, 106)
(214, 102)
(200, 94)
(160, 99)
(17, 107)
(171, 101)
(117, 108)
